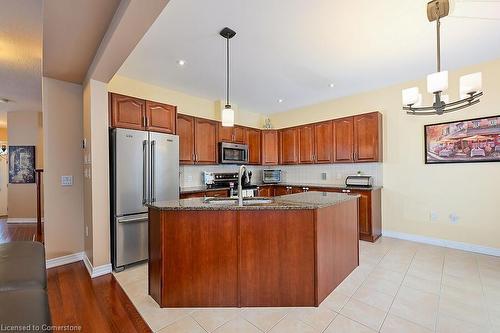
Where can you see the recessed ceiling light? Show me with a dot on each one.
(280, 100)
(181, 62)
(331, 85)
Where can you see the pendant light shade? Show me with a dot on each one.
(227, 116)
(227, 113)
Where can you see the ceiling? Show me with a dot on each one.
(20, 55)
(72, 32)
(294, 50)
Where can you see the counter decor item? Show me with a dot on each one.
(21, 164)
(472, 140)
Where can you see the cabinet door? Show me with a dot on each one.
(225, 134)
(269, 146)
(160, 117)
(282, 190)
(127, 112)
(205, 141)
(367, 137)
(239, 134)
(253, 141)
(365, 227)
(306, 144)
(343, 139)
(265, 191)
(323, 137)
(185, 130)
(289, 144)
(192, 195)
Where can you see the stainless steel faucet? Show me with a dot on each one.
(240, 186)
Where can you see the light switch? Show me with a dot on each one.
(66, 180)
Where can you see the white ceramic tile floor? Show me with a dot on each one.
(400, 286)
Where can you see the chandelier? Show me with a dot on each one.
(437, 83)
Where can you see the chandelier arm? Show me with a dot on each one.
(467, 99)
(461, 106)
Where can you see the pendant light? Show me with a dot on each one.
(437, 83)
(227, 112)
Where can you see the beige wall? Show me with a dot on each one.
(62, 114)
(3, 134)
(412, 189)
(186, 104)
(96, 157)
(24, 130)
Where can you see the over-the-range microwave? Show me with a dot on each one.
(233, 153)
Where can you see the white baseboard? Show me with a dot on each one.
(492, 251)
(69, 259)
(21, 220)
(96, 271)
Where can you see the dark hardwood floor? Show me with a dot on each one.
(16, 231)
(98, 305)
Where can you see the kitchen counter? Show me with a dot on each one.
(305, 200)
(293, 251)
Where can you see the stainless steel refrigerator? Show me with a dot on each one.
(144, 168)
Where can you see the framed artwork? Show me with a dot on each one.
(21, 164)
(466, 141)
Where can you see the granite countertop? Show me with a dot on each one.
(203, 188)
(306, 200)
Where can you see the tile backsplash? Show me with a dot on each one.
(192, 175)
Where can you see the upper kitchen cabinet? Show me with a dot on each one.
(135, 113)
(160, 117)
(185, 130)
(236, 134)
(343, 130)
(368, 137)
(205, 141)
(253, 140)
(270, 147)
(306, 144)
(323, 142)
(289, 146)
(127, 112)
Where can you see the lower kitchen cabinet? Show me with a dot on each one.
(265, 191)
(202, 194)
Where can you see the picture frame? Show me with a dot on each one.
(22, 164)
(465, 141)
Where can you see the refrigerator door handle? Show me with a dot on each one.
(144, 171)
(127, 219)
(153, 171)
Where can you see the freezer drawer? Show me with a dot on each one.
(131, 239)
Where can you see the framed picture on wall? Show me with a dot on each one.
(21, 164)
(466, 141)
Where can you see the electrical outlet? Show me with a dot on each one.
(453, 218)
(434, 216)
(189, 178)
(339, 176)
(323, 175)
(66, 180)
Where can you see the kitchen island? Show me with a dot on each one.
(291, 250)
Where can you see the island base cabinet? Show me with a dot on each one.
(198, 265)
(277, 258)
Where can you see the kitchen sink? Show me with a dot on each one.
(234, 201)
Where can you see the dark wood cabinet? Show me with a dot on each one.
(323, 142)
(368, 137)
(160, 117)
(253, 140)
(283, 190)
(197, 140)
(127, 112)
(201, 194)
(306, 144)
(235, 134)
(185, 130)
(265, 191)
(139, 114)
(370, 214)
(205, 141)
(289, 146)
(269, 147)
(343, 140)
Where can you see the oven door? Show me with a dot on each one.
(230, 153)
